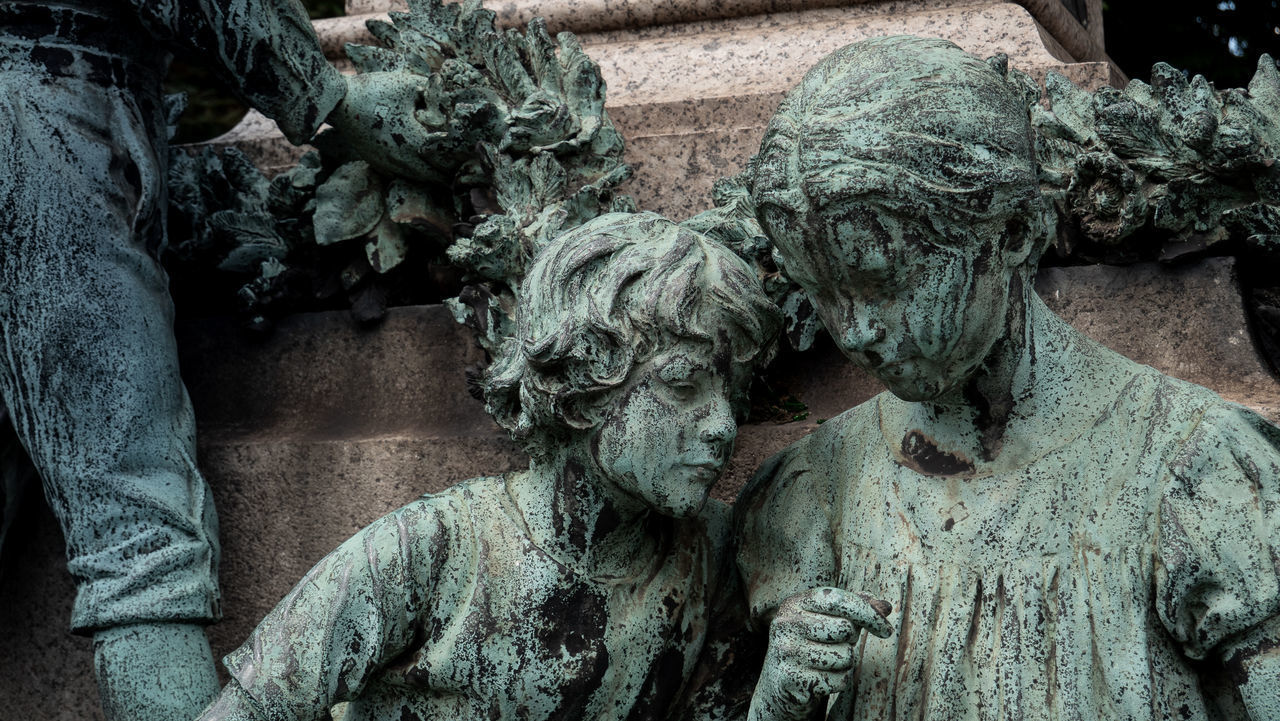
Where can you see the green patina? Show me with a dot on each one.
(1059, 532)
(89, 374)
(1167, 170)
(515, 147)
(598, 582)
(1175, 159)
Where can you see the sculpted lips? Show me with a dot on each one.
(706, 467)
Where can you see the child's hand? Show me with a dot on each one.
(810, 652)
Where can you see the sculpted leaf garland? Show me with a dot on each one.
(1170, 169)
(1189, 165)
(1158, 171)
(520, 149)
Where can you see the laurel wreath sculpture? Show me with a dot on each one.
(521, 147)
(1194, 164)
(1168, 170)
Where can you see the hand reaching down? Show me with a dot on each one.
(811, 650)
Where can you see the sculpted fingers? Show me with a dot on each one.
(859, 608)
(802, 625)
(799, 674)
(805, 686)
(812, 650)
(824, 656)
(829, 629)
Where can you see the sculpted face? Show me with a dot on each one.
(898, 184)
(668, 434)
(918, 311)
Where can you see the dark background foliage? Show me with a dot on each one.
(1219, 39)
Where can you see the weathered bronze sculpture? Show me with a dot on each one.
(1061, 532)
(89, 369)
(585, 586)
(518, 146)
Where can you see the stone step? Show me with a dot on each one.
(1082, 38)
(320, 376)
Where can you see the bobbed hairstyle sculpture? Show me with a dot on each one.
(913, 125)
(605, 297)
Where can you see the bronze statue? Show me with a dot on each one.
(1060, 532)
(88, 367)
(597, 584)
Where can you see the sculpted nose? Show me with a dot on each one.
(719, 426)
(860, 334)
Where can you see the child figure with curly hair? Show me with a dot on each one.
(583, 587)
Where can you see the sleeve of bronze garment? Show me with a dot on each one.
(1218, 538)
(358, 608)
(266, 49)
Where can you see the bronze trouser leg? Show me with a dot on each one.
(88, 364)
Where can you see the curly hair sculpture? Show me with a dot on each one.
(606, 297)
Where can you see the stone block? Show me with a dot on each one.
(593, 16)
(694, 106)
(1083, 41)
(322, 376)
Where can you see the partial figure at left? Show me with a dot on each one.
(88, 365)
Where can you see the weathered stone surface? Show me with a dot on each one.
(583, 16)
(771, 56)
(321, 376)
(1084, 42)
(682, 101)
(46, 674)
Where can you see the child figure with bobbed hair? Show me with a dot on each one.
(585, 586)
(1060, 532)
